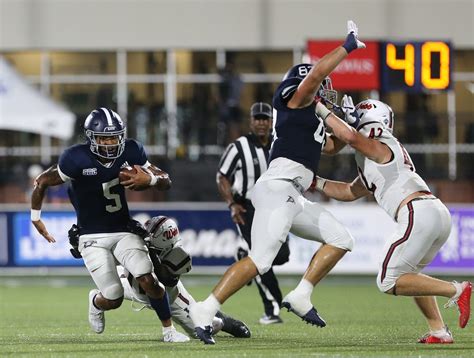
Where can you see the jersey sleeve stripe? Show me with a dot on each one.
(63, 176)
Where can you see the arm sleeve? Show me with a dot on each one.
(284, 92)
(229, 160)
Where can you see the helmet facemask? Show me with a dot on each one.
(327, 92)
(107, 151)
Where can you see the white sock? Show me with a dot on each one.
(440, 332)
(458, 287)
(212, 303)
(304, 288)
(168, 329)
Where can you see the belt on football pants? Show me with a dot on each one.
(296, 185)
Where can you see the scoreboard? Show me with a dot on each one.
(416, 66)
(409, 66)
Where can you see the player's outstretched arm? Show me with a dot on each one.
(342, 191)
(370, 148)
(304, 95)
(49, 177)
(333, 145)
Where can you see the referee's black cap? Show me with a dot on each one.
(261, 109)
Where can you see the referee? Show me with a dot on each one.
(240, 166)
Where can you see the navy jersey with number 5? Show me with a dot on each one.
(95, 192)
(299, 133)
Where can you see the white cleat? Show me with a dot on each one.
(171, 335)
(96, 316)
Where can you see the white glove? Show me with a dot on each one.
(350, 114)
(352, 41)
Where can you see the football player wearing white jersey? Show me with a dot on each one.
(423, 222)
(170, 261)
(278, 195)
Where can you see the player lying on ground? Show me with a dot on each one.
(423, 222)
(170, 261)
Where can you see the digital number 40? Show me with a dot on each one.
(407, 63)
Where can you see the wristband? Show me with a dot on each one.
(153, 180)
(320, 183)
(35, 215)
(322, 111)
(351, 43)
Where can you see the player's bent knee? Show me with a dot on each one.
(262, 267)
(387, 285)
(113, 292)
(151, 286)
(344, 241)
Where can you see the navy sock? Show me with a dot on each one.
(161, 307)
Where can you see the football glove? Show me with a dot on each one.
(73, 235)
(352, 41)
(350, 114)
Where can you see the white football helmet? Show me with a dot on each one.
(163, 233)
(375, 116)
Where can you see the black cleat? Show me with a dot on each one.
(233, 326)
(310, 317)
(205, 334)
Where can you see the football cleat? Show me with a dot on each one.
(171, 335)
(205, 334)
(299, 307)
(96, 316)
(431, 338)
(463, 302)
(270, 319)
(233, 326)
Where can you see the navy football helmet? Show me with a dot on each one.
(325, 91)
(299, 71)
(104, 123)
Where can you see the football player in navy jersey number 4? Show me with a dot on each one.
(105, 227)
(277, 196)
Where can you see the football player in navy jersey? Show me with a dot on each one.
(277, 196)
(107, 233)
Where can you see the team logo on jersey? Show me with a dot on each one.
(290, 199)
(89, 171)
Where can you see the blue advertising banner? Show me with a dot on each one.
(209, 235)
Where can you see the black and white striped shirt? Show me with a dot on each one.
(243, 162)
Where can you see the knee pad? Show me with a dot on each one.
(387, 283)
(113, 292)
(263, 265)
(343, 240)
(138, 263)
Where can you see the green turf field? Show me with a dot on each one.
(49, 319)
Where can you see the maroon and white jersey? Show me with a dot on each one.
(391, 182)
